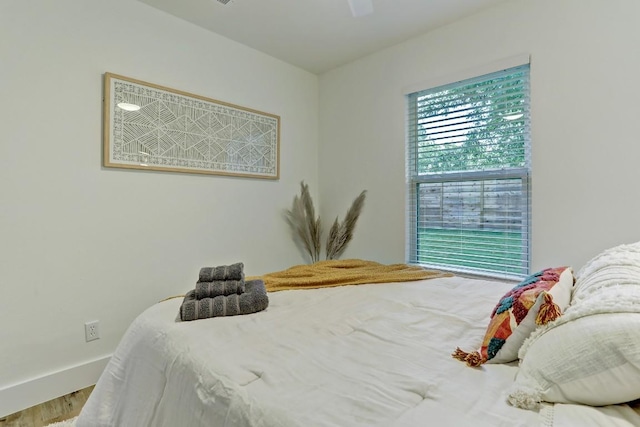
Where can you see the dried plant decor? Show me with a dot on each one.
(306, 227)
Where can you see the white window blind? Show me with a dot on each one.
(468, 170)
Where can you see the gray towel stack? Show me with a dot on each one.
(222, 291)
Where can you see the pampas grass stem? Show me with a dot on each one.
(305, 227)
(341, 234)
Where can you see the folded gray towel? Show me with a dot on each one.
(222, 272)
(254, 299)
(219, 287)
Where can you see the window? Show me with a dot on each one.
(468, 174)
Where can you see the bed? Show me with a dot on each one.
(373, 354)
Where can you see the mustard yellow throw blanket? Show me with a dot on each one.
(325, 274)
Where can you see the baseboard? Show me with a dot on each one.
(18, 397)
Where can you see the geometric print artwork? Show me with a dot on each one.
(182, 132)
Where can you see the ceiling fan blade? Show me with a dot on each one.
(361, 7)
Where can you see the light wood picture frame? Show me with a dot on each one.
(152, 127)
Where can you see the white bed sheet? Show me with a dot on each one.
(366, 355)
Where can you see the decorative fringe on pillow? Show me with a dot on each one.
(524, 398)
(473, 359)
(548, 311)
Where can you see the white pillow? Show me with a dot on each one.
(616, 266)
(591, 354)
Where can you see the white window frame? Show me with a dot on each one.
(414, 179)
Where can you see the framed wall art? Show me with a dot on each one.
(147, 126)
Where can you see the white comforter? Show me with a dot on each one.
(366, 355)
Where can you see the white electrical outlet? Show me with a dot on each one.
(92, 330)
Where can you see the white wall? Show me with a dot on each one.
(79, 242)
(584, 94)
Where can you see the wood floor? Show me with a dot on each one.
(53, 411)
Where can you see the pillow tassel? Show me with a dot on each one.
(548, 311)
(471, 359)
(459, 354)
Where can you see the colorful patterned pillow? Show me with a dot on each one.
(536, 300)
